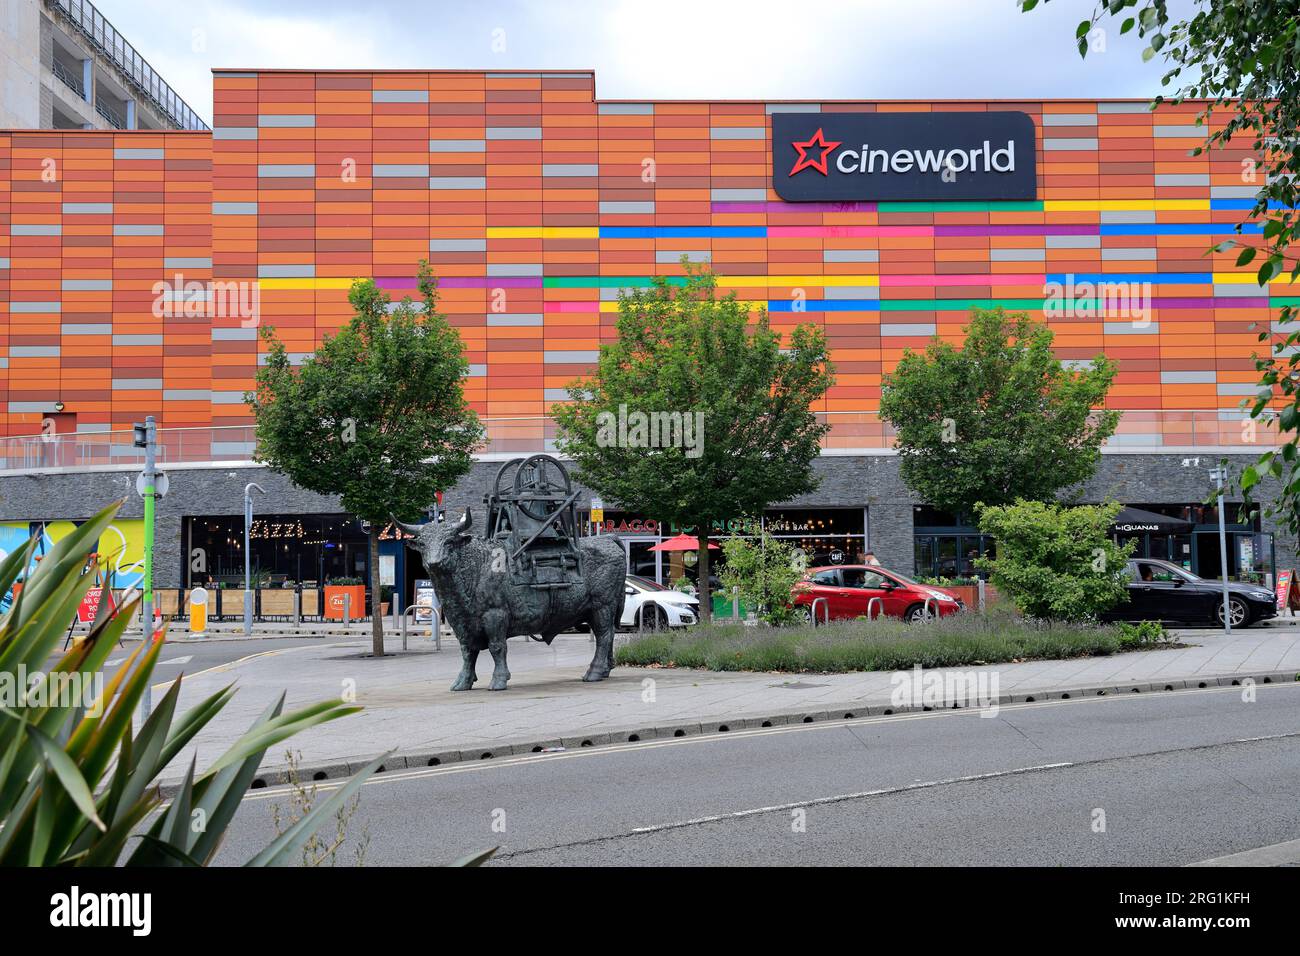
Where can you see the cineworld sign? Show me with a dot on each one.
(844, 157)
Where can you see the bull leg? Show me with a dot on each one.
(602, 626)
(494, 623)
(467, 676)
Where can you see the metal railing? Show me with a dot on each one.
(72, 82)
(135, 68)
(850, 432)
(114, 120)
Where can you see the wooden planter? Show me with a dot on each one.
(970, 594)
(334, 601)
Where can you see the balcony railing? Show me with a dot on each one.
(850, 433)
(135, 68)
(116, 120)
(69, 80)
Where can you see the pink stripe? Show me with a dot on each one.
(571, 307)
(850, 231)
(989, 280)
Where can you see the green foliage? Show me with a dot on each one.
(1057, 563)
(680, 349)
(886, 644)
(1243, 57)
(77, 784)
(765, 570)
(998, 418)
(378, 414)
(1143, 634)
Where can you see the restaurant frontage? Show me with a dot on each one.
(822, 535)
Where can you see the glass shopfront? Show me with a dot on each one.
(824, 535)
(946, 545)
(286, 550)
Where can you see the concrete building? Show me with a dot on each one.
(64, 66)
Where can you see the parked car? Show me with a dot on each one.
(1163, 591)
(849, 589)
(663, 607)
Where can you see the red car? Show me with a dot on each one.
(848, 589)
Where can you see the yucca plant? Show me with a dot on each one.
(77, 783)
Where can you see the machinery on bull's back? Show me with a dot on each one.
(532, 515)
(529, 575)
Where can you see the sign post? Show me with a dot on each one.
(248, 560)
(597, 513)
(145, 437)
(1218, 474)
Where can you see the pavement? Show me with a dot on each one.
(409, 709)
(1197, 777)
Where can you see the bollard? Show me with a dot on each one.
(297, 607)
(735, 604)
(347, 610)
(878, 603)
(979, 590)
(198, 611)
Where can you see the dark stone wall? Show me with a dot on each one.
(849, 480)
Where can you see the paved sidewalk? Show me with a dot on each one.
(408, 705)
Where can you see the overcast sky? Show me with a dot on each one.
(656, 49)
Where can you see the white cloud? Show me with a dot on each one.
(682, 49)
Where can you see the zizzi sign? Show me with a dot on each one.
(842, 157)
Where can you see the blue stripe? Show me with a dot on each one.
(824, 305)
(1169, 278)
(682, 232)
(1179, 229)
(1240, 204)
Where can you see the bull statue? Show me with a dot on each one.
(485, 603)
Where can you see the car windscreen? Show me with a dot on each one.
(645, 583)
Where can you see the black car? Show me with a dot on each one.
(1161, 591)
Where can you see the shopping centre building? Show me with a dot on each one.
(136, 268)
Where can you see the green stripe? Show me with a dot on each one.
(605, 282)
(949, 305)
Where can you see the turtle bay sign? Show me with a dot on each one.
(845, 157)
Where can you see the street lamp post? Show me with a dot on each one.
(1219, 474)
(248, 572)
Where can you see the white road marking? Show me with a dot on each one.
(1279, 854)
(178, 660)
(501, 763)
(840, 798)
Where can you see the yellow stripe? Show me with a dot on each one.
(752, 305)
(1125, 205)
(326, 283)
(1247, 278)
(543, 232)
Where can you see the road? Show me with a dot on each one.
(1156, 779)
(191, 657)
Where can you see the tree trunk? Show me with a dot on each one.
(706, 596)
(376, 618)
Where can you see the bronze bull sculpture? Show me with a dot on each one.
(485, 606)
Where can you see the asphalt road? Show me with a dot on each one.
(192, 657)
(1159, 779)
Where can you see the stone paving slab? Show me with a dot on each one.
(408, 706)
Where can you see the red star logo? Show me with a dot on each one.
(807, 162)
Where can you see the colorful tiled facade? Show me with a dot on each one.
(536, 202)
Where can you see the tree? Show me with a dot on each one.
(1056, 562)
(376, 416)
(695, 414)
(1243, 57)
(764, 571)
(998, 418)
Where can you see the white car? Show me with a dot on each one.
(664, 607)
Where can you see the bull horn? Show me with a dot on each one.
(411, 529)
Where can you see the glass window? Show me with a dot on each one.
(827, 578)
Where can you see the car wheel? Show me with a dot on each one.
(802, 614)
(652, 618)
(1238, 612)
(915, 613)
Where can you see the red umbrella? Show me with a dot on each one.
(683, 542)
